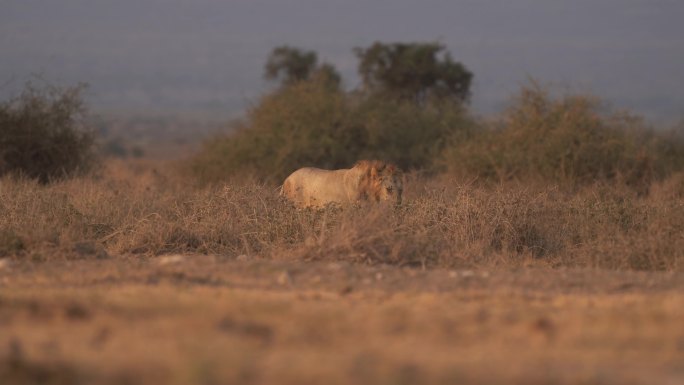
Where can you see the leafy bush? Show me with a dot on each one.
(312, 124)
(567, 141)
(42, 135)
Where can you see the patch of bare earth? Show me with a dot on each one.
(194, 319)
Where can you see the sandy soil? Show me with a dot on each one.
(205, 320)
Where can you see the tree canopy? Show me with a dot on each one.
(292, 65)
(413, 71)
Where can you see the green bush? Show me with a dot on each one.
(312, 124)
(42, 135)
(567, 141)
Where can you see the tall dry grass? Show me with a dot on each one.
(443, 223)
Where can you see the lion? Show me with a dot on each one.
(367, 180)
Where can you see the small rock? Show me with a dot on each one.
(170, 259)
(243, 258)
(4, 264)
(378, 276)
(543, 324)
(334, 266)
(316, 279)
(77, 311)
(346, 290)
(284, 278)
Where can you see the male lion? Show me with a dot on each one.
(368, 180)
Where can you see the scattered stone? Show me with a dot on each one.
(78, 312)
(545, 326)
(464, 274)
(4, 264)
(316, 279)
(334, 266)
(243, 258)
(170, 259)
(284, 278)
(101, 337)
(346, 290)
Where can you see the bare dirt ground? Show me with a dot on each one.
(205, 320)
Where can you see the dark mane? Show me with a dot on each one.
(369, 187)
(379, 165)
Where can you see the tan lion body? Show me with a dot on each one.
(366, 181)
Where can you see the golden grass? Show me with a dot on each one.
(139, 210)
(136, 277)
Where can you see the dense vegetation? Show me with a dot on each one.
(412, 101)
(556, 180)
(411, 108)
(569, 141)
(311, 124)
(42, 135)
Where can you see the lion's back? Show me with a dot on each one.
(310, 186)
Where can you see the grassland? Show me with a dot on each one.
(137, 277)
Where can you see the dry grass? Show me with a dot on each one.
(135, 277)
(139, 210)
(136, 209)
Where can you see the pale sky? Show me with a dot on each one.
(208, 55)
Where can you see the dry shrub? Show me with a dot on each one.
(442, 223)
(569, 141)
(126, 218)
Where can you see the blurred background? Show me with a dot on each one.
(204, 59)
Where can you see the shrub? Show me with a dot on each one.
(410, 135)
(295, 126)
(311, 124)
(42, 135)
(567, 141)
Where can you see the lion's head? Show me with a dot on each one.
(381, 181)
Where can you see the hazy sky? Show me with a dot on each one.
(208, 55)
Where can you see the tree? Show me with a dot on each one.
(413, 71)
(293, 65)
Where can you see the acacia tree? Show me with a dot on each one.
(413, 71)
(292, 65)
